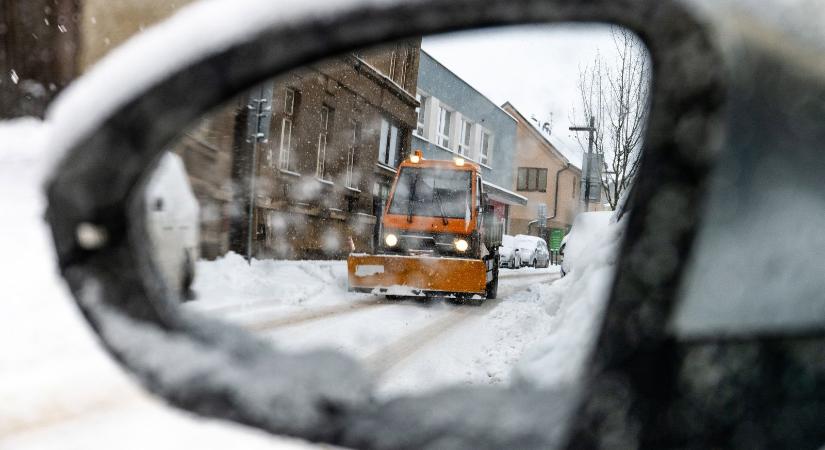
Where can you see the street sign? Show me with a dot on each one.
(556, 235)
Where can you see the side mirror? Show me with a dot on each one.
(327, 397)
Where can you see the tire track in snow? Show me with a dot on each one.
(315, 314)
(551, 276)
(384, 360)
(342, 309)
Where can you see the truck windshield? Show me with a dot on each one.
(419, 191)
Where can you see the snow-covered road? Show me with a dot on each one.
(409, 344)
(60, 390)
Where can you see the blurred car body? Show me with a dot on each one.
(510, 257)
(173, 215)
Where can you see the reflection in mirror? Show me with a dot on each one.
(441, 208)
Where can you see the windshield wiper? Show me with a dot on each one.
(440, 205)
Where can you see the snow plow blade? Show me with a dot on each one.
(416, 275)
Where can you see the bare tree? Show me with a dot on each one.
(615, 90)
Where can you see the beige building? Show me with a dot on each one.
(105, 24)
(547, 178)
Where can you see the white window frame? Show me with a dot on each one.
(441, 138)
(285, 148)
(465, 140)
(353, 148)
(403, 75)
(393, 57)
(487, 137)
(322, 142)
(389, 143)
(421, 114)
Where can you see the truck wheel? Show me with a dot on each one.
(492, 286)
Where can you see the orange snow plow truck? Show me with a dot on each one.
(438, 236)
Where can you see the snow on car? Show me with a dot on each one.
(532, 250)
(583, 238)
(509, 253)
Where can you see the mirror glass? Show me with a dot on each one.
(442, 208)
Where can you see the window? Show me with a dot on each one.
(389, 147)
(433, 192)
(285, 143)
(401, 77)
(393, 64)
(289, 102)
(464, 141)
(532, 179)
(320, 167)
(352, 151)
(422, 114)
(444, 117)
(575, 182)
(484, 154)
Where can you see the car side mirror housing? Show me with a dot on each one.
(638, 370)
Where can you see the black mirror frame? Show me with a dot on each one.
(326, 397)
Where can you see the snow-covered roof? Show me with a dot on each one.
(574, 157)
(505, 195)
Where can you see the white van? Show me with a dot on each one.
(173, 216)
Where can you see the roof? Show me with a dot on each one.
(505, 196)
(567, 154)
(423, 52)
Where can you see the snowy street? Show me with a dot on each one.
(411, 344)
(60, 390)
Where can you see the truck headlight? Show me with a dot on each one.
(461, 245)
(391, 240)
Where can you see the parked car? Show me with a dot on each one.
(586, 226)
(173, 217)
(509, 253)
(532, 250)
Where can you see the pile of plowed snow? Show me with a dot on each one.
(574, 304)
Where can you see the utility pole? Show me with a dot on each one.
(258, 132)
(587, 160)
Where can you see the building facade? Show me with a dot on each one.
(455, 120)
(547, 178)
(38, 53)
(300, 166)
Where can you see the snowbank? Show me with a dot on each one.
(573, 305)
(231, 281)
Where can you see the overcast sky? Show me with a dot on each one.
(535, 67)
